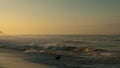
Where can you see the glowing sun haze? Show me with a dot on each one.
(60, 16)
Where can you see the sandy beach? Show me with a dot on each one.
(16, 59)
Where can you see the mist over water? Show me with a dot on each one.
(109, 42)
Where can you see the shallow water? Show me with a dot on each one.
(16, 59)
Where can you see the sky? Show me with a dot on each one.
(60, 16)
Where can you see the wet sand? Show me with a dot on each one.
(16, 59)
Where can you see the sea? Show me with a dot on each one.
(108, 42)
(12, 58)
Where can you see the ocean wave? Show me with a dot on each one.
(66, 51)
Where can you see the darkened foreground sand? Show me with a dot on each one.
(16, 59)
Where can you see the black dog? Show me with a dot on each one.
(58, 57)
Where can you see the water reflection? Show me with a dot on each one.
(15, 59)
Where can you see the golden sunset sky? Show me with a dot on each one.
(60, 16)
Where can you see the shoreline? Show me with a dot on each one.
(16, 59)
(72, 59)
